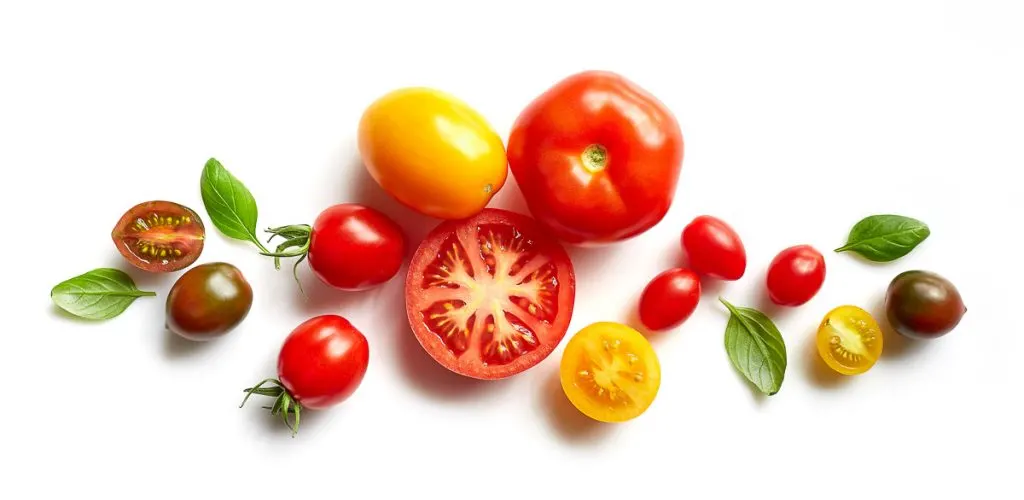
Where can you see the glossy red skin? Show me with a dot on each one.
(208, 301)
(714, 249)
(323, 361)
(795, 275)
(645, 153)
(189, 238)
(669, 299)
(354, 247)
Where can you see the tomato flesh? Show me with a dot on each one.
(849, 340)
(610, 372)
(160, 236)
(489, 296)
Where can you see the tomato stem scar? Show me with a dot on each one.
(595, 158)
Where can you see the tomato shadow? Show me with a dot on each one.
(894, 345)
(316, 297)
(816, 371)
(567, 421)
(177, 347)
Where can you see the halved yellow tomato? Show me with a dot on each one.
(849, 340)
(610, 372)
(432, 152)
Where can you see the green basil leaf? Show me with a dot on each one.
(231, 206)
(885, 238)
(98, 294)
(755, 348)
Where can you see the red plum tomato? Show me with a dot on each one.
(714, 249)
(795, 275)
(669, 299)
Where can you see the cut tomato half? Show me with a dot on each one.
(490, 296)
(159, 236)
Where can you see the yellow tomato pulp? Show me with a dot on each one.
(432, 152)
(849, 340)
(610, 372)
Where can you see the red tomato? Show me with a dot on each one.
(354, 247)
(321, 364)
(669, 299)
(714, 248)
(489, 296)
(795, 275)
(350, 246)
(597, 158)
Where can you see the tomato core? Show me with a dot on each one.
(595, 158)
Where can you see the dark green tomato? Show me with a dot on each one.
(208, 301)
(923, 305)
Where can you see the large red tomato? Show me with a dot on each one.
(489, 296)
(597, 158)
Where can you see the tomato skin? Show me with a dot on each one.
(354, 247)
(669, 299)
(159, 236)
(208, 301)
(714, 249)
(923, 305)
(323, 361)
(795, 275)
(597, 158)
(432, 152)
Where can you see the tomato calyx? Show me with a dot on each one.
(284, 405)
(297, 237)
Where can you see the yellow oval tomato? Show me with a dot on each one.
(609, 372)
(849, 340)
(432, 152)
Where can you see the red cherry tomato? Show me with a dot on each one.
(355, 247)
(669, 299)
(795, 275)
(321, 364)
(490, 296)
(597, 158)
(714, 248)
(350, 246)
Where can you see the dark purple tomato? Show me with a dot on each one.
(923, 305)
(208, 301)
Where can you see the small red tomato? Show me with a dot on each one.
(795, 275)
(350, 246)
(714, 248)
(669, 299)
(321, 364)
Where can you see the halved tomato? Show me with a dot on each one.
(159, 236)
(610, 372)
(490, 296)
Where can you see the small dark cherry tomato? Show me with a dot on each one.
(795, 275)
(159, 236)
(208, 301)
(714, 248)
(349, 246)
(321, 364)
(669, 299)
(923, 305)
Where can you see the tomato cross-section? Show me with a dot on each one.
(490, 296)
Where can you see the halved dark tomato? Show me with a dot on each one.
(491, 295)
(159, 236)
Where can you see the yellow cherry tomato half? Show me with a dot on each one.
(432, 152)
(849, 340)
(609, 372)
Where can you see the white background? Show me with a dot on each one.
(799, 119)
